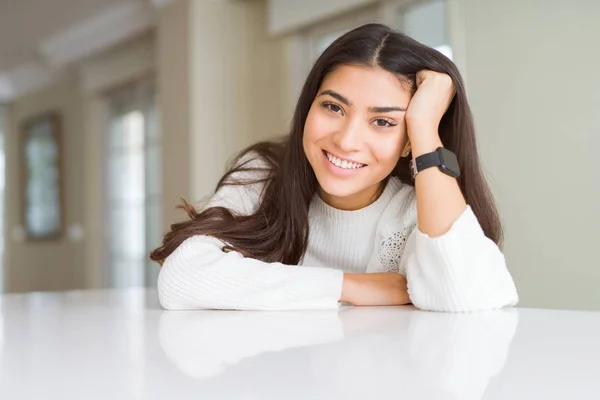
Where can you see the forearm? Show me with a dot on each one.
(375, 289)
(439, 199)
(198, 275)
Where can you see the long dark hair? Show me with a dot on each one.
(278, 230)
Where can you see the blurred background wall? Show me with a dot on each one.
(154, 97)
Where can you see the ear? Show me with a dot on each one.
(406, 151)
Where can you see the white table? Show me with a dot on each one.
(122, 345)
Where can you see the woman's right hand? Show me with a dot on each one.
(376, 289)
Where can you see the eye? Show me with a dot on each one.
(333, 108)
(384, 123)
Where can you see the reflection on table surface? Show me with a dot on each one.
(120, 344)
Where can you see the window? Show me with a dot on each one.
(133, 193)
(423, 20)
(43, 211)
(426, 22)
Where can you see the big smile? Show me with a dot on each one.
(341, 163)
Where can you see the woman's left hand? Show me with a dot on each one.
(434, 94)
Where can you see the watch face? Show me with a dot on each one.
(449, 162)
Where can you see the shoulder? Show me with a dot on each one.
(240, 190)
(247, 168)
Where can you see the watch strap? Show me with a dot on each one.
(425, 161)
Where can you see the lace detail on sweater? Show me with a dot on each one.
(391, 250)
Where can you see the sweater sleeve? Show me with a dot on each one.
(199, 275)
(460, 271)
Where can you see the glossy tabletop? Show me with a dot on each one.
(120, 344)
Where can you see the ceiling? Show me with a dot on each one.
(40, 37)
(24, 24)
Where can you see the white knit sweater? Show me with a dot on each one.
(459, 271)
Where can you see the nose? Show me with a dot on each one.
(348, 137)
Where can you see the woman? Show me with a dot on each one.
(376, 197)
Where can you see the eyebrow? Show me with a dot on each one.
(335, 95)
(344, 100)
(385, 109)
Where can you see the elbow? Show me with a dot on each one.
(481, 285)
(175, 289)
(463, 296)
(467, 305)
(168, 295)
(492, 303)
(460, 271)
(168, 303)
(189, 278)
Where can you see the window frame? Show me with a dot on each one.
(145, 97)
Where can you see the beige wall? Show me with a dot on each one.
(173, 78)
(288, 15)
(220, 76)
(59, 264)
(96, 115)
(534, 88)
(236, 70)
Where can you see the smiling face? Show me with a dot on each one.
(355, 133)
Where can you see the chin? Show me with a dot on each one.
(339, 189)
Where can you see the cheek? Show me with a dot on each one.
(317, 126)
(387, 151)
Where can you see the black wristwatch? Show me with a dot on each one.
(442, 158)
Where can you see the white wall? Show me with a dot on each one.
(535, 91)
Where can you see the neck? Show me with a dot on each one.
(353, 202)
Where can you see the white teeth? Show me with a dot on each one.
(343, 163)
